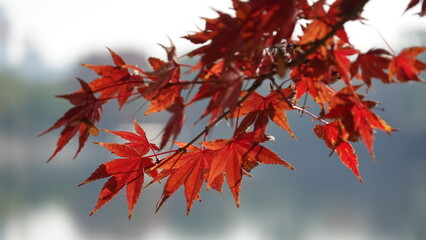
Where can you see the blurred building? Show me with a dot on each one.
(4, 30)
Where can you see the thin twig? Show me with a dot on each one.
(315, 117)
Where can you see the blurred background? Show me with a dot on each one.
(41, 44)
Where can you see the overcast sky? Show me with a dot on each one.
(65, 30)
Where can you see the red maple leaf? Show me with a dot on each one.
(334, 136)
(161, 99)
(258, 109)
(164, 90)
(224, 33)
(276, 17)
(341, 62)
(127, 171)
(81, 118)
(356, 117)
(311, 78)
(188, 169)
(413, 3)
(322, 21)
(238, 36)
(175, 123)
(405, 66)
(137, 141)
(211, 77)
(350, 8)
(373, 65)
(233, 156)
(164, 72)
(115, 81)
(224, 93)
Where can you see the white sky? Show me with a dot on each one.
(65, 30)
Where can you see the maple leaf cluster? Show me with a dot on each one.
(236, 55)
